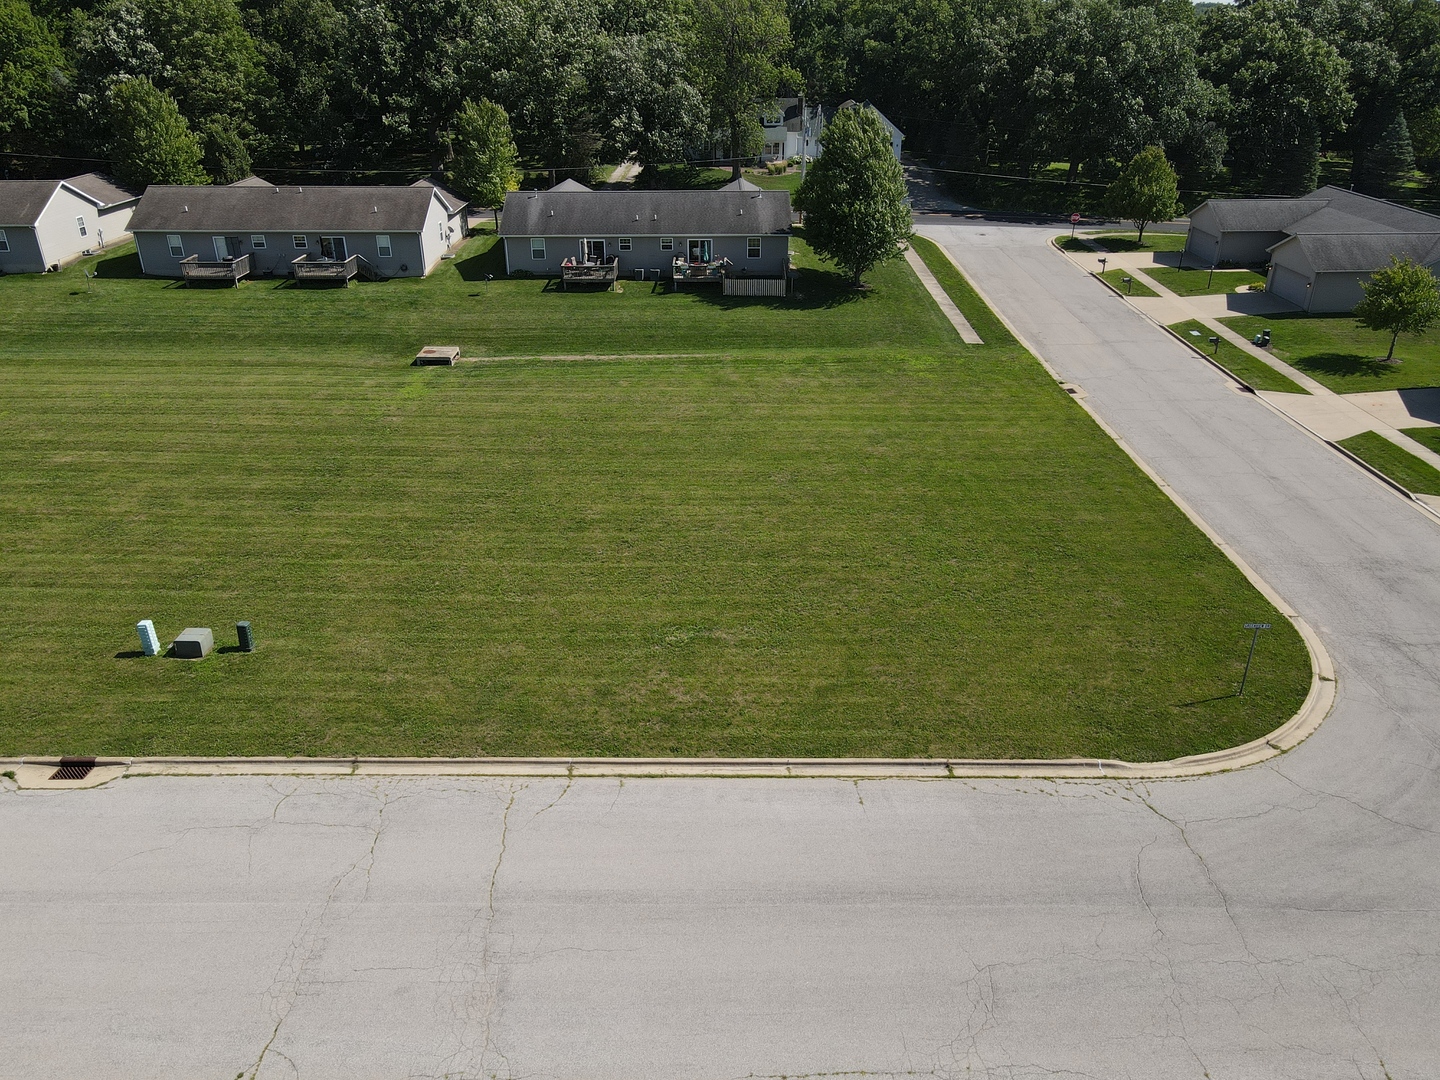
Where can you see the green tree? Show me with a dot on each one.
(151, 142)
(1146, 190)
(1286, 86)
(739, 48)
(854, 196)
(483, 165)
(1403, 298)
(1388, 161)
(227, 158)
(32, 66)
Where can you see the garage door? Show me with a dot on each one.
(1289, 285)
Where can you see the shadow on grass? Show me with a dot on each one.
(1344, 364)
(120, 266)
(475, 267)
(129, 654)
(1208, 700)
(812, 289)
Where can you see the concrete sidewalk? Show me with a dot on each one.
(1321, 411)
(936, 290)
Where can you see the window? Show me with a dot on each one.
(177, 248)
(300, 241)
(752, 248)
(667, 243)
(80, 223)
(257, 241)
(382, 246)
(537, 247)
(624, 243)
(4, 241)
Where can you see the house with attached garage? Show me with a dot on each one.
(737, 232)
(47, 223)
(1321, 248)
(255, 228)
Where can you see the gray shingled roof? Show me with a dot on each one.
(101, 190)
(1364, 252)
(286, 209)
(1262, 215)
(21, 201)
(452, 202)
(730, 212)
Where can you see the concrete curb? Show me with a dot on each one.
(31, 772)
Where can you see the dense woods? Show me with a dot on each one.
(1267, 96)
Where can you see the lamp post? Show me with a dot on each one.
(1257, 627)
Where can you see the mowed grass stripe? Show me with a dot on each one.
(914, 556)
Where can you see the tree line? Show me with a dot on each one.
(1247, 96)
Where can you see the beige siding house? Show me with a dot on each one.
(48, 223)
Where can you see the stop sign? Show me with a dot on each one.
(1074, 219)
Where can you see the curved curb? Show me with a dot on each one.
(33, 772)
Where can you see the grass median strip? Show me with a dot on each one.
(1154, 241)
(1254, 372)
(1398, 464)
(1135, 287)
(922, 549)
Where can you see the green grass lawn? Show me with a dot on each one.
(1336, 351)
(833, 529)
(1195, 282)
(123, 314)
(1236, 360)
(1154, 241)
(1398, 464)
(1137, 286)
(1428, 437)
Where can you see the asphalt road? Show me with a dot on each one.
(1277, 922)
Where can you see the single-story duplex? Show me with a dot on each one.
(399, 231)
(1321, 248)
(47, 223)
(740, 230)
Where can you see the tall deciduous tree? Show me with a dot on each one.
(1146, 190)
(151, 143)
(483, 165)
(1287, 87)
(1403, 298)
(739, 49)
(32, 67)
(854, 197)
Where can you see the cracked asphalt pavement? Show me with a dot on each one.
(1280, 921)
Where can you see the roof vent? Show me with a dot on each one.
(552, 213)
(654, 217)
(742, 211)
(299, 190)
(184, 209)
(637, 217)
(374, 209)
(277, 191)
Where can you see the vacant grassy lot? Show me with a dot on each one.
(879, 543)
(1136, 286)
(1336, 351)
(1398, 464)
(1236, 360)
(1195, 282)
(125, 315)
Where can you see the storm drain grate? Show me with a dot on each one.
(73, 768)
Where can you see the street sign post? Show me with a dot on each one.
(1074, 220)
(1257, 627)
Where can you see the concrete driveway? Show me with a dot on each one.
(1278, 922)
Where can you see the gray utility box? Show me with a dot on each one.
(194, 643)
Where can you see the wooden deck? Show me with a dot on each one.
(573, 273)
(309, 268)
(231, 270)
(701, 273)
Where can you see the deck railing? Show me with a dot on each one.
(231, 270)
(586, 273)
(682, 270)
